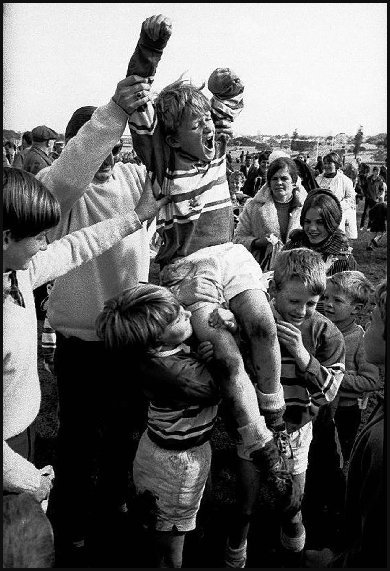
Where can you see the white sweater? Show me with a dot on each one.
(21, 389)
(78, 297)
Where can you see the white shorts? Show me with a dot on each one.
(300, 443)
(176, 478)
(229, 268)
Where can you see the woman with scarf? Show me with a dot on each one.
(268, 219)
(320, 219)
(334, 180)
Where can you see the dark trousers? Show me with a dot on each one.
(98, 410)
(325, 482)
(347, 419)
(368, 204)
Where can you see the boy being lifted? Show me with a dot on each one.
(181, 138)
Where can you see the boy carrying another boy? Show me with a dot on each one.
(347, 294)
(313, 356)
(181, 140)
(172, 462)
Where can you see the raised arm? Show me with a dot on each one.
(69, 176)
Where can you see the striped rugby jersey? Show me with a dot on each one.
(183, 398)
(200, 213)
(320, 382)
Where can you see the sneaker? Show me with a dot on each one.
(235, 557)
(281, 491)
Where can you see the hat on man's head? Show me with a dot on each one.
(277, 155)
(43, 133)
(79, 117)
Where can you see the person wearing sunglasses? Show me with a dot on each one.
(91, 187)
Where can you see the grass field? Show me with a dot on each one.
(204, 547)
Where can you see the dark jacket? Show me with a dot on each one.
(36, 160)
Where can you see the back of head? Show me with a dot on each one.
(178, 101)
(354, 285)
(328, 207)
(303, 265)
(135, 319)
(281, 163)
(29, 208)
(79, 117)
(27, 534)
(27, 138)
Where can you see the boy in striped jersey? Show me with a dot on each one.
(174, 454)
(313, 356)
(181, 138)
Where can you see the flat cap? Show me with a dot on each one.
(43, 133)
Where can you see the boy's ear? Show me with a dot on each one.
(172, 141)
(357, 309)
(7, 237)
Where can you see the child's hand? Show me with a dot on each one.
(148, 206)
(291, 338)
(225, 83)
(158, 27)
(132, 92)
(223, 318)
(206, 350)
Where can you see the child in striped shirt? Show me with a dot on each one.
(347, 294)
(181, 138)
(174, 454)
(313, 354)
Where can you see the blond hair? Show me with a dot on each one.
(136, 318)
(177, 102)
(354, 285)
(300, 264)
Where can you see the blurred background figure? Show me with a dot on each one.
(23, 149)
(38, 155)
(10, 151)
(57, 149)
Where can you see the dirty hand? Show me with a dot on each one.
(291, 337)
(206, 350)
(223, 318)
(148, 205)
(157, 27)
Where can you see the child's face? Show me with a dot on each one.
(196, 137)
(314, 226)
(178, 330)
(338, 307)
(295, 302)
(236, 185)
(374, 339)
(17, 254)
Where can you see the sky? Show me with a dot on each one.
(320, 68)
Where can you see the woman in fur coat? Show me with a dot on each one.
(268, 219)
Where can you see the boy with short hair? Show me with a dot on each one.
(181, 140)
(365, 511)
(173, 458)
(347, 294)
(313, 356)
